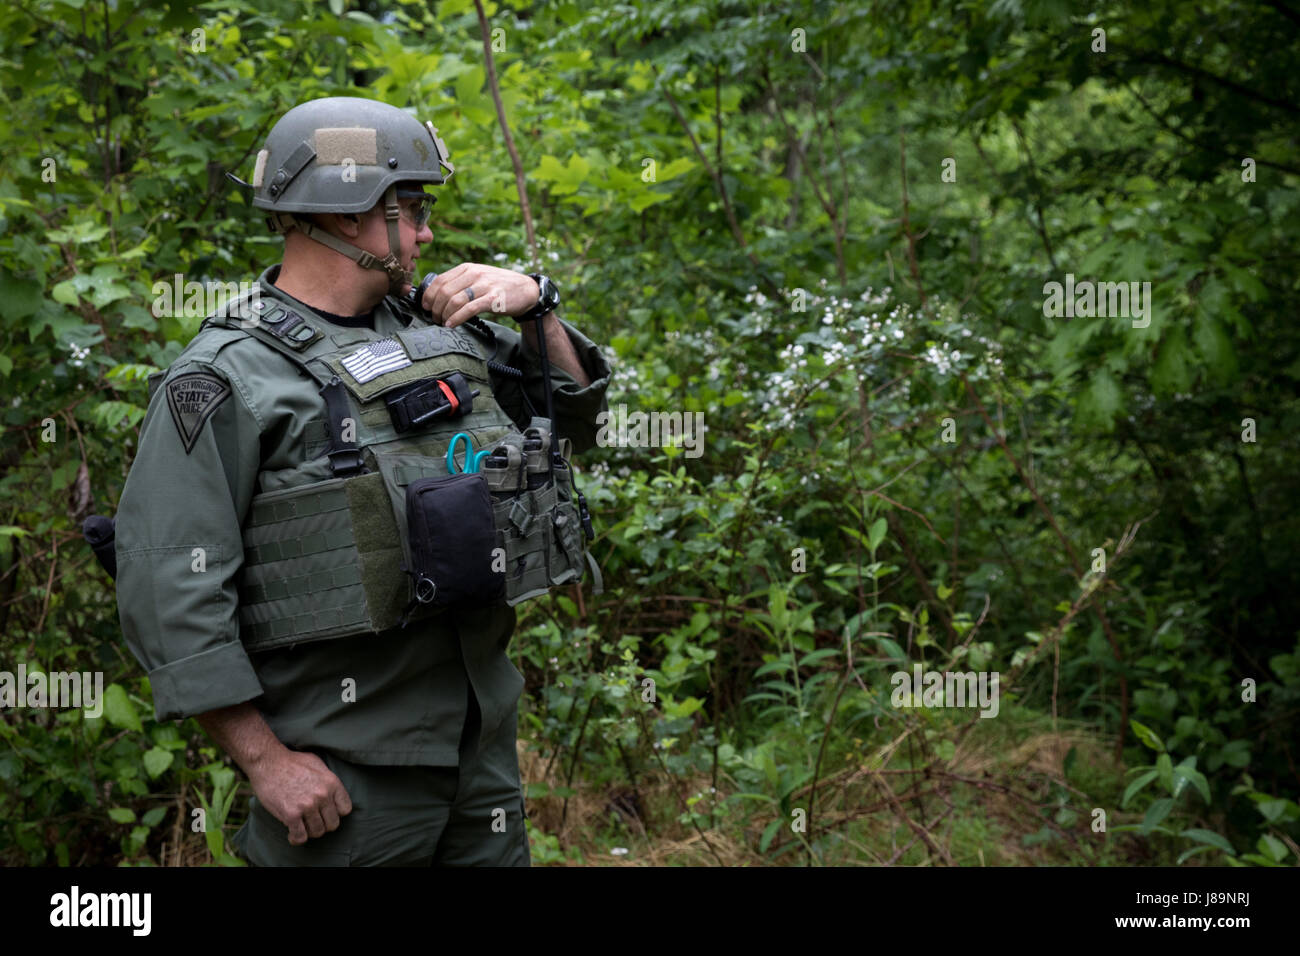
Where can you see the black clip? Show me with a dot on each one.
(345, 457)
(585, 515)
(345, 462)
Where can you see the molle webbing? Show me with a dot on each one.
(326, 558)
(320, 561)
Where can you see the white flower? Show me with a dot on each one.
(619, 851)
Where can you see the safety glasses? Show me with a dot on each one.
(417, 213)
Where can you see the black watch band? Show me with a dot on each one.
(548, 297)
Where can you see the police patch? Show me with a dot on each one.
(192, 398)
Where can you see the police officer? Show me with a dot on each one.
(269, 536)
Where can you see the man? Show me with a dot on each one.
(290, 477)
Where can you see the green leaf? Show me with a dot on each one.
(1184, 774)
(675, 709)
(1236, 753)
(154, 816)
(212, 837)
(1156, 813)
(1165, 768)
(121, 815)
(1136, 786)
(1147, 736)
(22, 297)
(119, 709)
(1215, 346)
(646, 198)
(1274, 810)
(1194, 851)
(65, 293)
(1210, 837)
(877, 534)
(818, 655)
(1272, 847)
(890, 647)
(769, 832)
(675, 168)
(1170, 373)
(1101, 400)
(157, 760)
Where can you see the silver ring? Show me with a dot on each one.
(470, 292)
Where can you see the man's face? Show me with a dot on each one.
(373, 235)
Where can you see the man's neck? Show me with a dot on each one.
(333, 291)
(352, 320)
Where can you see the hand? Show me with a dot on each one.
(497, 291)
(302, 793)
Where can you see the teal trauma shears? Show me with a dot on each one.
(472, 460)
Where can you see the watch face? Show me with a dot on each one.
(550, 294)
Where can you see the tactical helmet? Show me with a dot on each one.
(343, 154)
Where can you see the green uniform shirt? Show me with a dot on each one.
(179, 553)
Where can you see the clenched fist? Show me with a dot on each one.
(302, 793)
(496, 291)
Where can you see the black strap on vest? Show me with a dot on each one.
(345, 457)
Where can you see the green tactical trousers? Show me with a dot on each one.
(471, 815)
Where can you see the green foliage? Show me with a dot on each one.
(905, 460)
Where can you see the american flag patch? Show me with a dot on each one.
(386, 355)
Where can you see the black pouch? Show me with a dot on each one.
(452, 538)
(430, 399)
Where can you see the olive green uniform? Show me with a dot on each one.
(233, 419)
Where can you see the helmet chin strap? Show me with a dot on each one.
(282, 222)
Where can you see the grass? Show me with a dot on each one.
(988, 793)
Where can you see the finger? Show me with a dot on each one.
(297, 832)
(445, 286)
(426, 294)
(465, 312)
(315, 825)
(330, 816)
(461, 300)
(342, 802)
(474, 277)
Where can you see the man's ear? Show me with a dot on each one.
(345, 223)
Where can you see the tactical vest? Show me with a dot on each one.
(375, 531)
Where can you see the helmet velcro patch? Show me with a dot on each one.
(259, 170)
(357, 143)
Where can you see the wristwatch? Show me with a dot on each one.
(547, 300)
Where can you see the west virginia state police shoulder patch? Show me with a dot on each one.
(192, 398)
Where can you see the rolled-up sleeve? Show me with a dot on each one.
(178, 541)
(576, 406)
